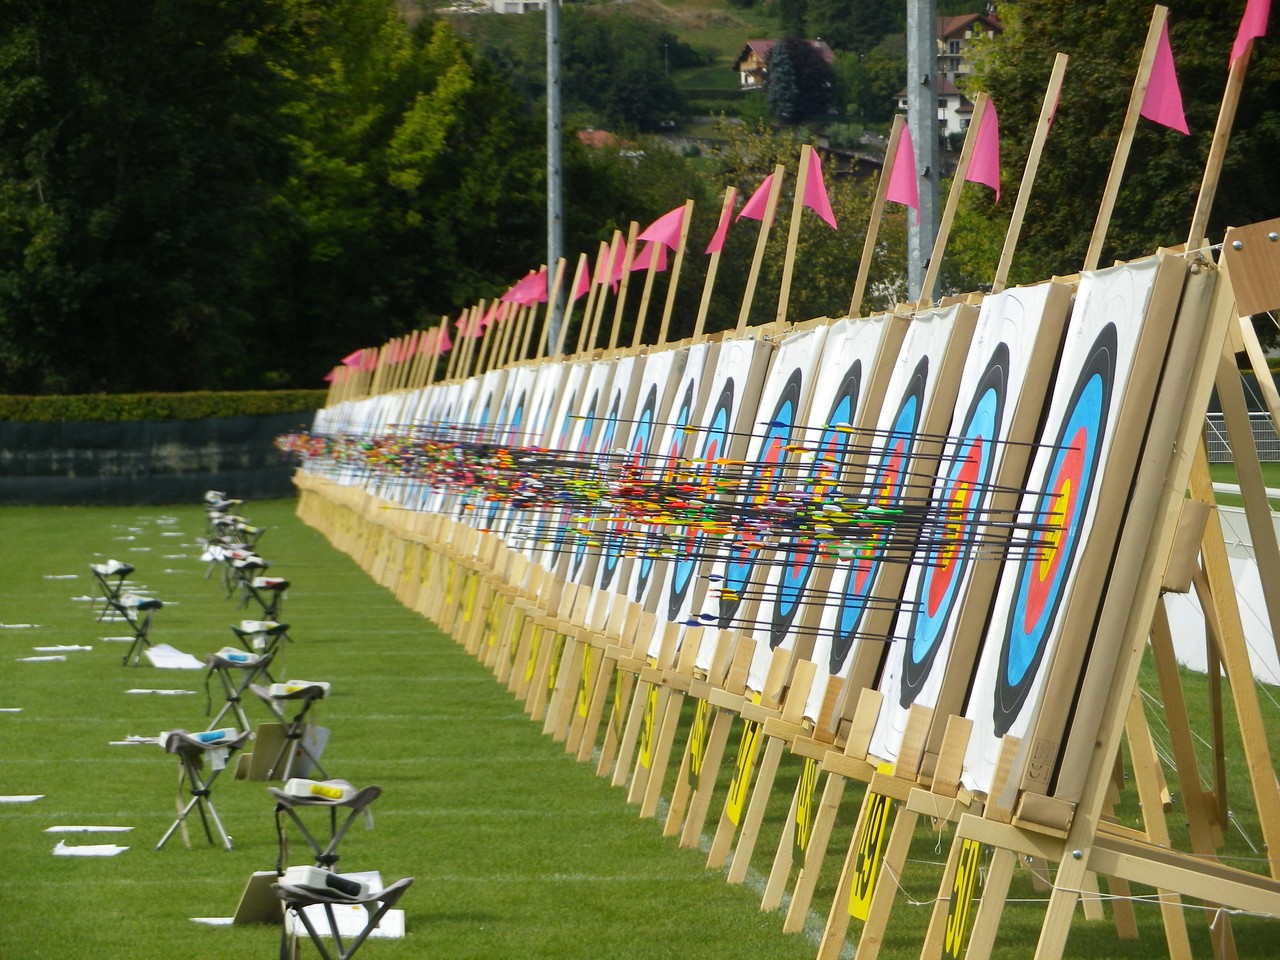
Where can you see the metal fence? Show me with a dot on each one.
(1264, 437)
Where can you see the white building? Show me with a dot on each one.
(955, 37)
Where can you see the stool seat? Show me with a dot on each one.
(237, 671)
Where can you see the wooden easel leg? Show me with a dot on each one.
(661, 755)
(895, 859)
(760, 793)
(631, 732)
(655, 707)
(807, 879)
(735, 801)
(780, 872)
(700, 802)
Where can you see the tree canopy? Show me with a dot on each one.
(1163, 174)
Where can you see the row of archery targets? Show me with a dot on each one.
(923, 551)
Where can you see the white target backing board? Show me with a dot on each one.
(998, 407)
(920, 369)
(1076, 444)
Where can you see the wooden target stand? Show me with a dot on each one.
(492, 599)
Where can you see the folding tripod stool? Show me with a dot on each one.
(192, 751)
(268, 591)
(296, 899)
(110, 576)
(261, 636)
(136, 612)
(341, 795)
(236, 672)
(242, 565)
(304, 694)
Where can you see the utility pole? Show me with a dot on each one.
(922, 121)
(555, 199)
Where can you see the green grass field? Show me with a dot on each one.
(517, 850)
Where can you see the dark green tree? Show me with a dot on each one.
(1155, 203)
(139, 148)
(784, 88)
(856, 25)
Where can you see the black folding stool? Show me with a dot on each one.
(261, 636)
(354, 802)
(297, 899)
(236, 672)
(192, 751)
(295, 728)
(268, 591)
(136, 612)
(111, 578)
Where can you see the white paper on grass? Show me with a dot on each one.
(1011, 318)
(85, 828)
(21, 797)
(87, 850)
(351, 919)
(24, 626)
(10, 709)
(62, 647)
(51, 658)
(62, 576)
(1118, 296)
(166, 657)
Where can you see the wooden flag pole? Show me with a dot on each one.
(877, 214)
(469, 341)
(569, 301)
(606, 281)
(770, 208)
(980, 104)
(1218, 149)
(643, 311)
(674, 280)
(1029, 172)
(628, 256)
(434, 364)
(1140, 82)
(506, 318)
(490, 342)
(520, 318)
(793, 234)
(595, 292)
(557, 285)
(451, 365)
(730, 195)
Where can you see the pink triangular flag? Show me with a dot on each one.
(1163, 102)
(443, 343)
(353, 359)
(641, 262)
(815, 192)
(427, 343)
(755, 207)
(1252, 26)
(330, 377)
(666, 229)
(722, 230)
(601, 272)
(984, 164)
(903, 187)
(584, 285)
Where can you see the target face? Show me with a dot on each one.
(772, 454)
(683, 415)
(609, 431)
(641, 439)
(961, 495)
(826, 468)
(890, 478)
(611, 428)
(1059, 514)
(715, 441)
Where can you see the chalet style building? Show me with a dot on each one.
(752, 64)
(955, 37)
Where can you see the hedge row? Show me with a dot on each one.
(198, 405)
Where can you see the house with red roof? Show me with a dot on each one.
(752, 64)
